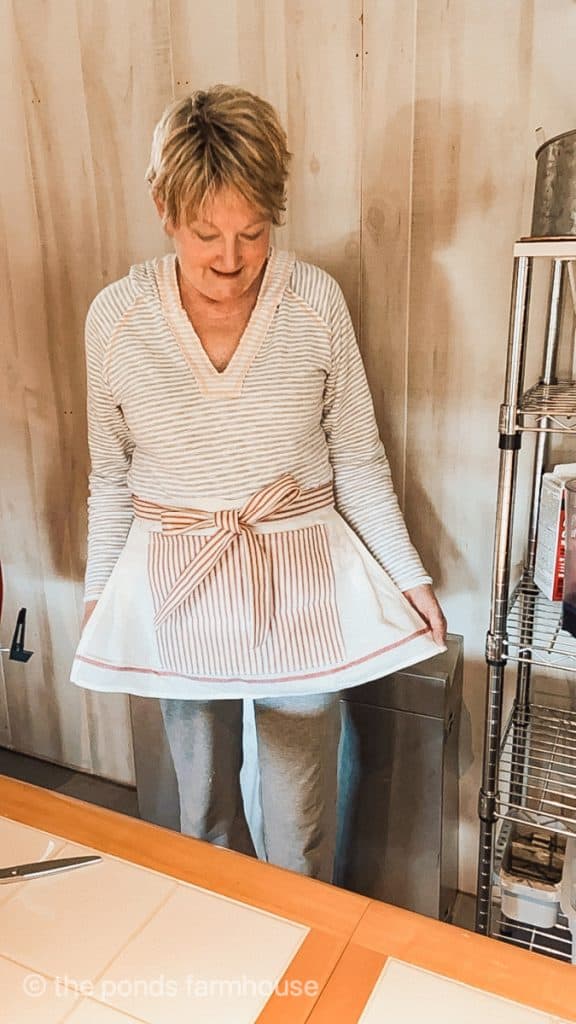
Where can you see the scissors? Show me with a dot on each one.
(20, 872)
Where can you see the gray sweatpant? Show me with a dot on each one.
(297, 741)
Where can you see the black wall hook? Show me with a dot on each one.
(17, 652)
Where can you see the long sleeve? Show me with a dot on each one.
(110, 511)
(363, 486)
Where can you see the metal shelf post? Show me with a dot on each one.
(496, 639)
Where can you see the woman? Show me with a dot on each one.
(244, 536)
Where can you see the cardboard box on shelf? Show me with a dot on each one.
(551, 544)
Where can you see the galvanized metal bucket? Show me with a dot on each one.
(554, 211)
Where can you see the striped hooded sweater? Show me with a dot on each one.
(165, 425)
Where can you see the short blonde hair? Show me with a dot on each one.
(224, 137)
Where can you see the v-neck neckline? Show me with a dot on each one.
(227, 382)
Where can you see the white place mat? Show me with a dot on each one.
(411, 995)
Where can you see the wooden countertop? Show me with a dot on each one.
(350, 937)
(507, 971)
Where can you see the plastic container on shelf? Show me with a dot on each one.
(530, 902)
(530, 877)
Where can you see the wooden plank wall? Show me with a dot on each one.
(412, 127)
(483, 85)
(84, 84)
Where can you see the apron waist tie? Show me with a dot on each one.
(278, 500)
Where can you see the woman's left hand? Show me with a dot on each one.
(424, 600)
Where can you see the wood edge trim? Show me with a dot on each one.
(304, 900)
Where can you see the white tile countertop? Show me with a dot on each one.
(168, 928)
(163, 927)
(135, 940)
(407, 993)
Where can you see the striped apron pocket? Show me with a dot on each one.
(210, 631)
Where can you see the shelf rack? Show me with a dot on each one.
(555, 403)
(529, 768)
(537, 772)
(534, 631)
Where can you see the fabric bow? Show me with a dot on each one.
(233, 526)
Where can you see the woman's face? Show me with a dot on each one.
(223, 252)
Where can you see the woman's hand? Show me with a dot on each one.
(88, 609)
(424, 600)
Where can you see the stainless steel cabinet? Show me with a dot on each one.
(398, 805)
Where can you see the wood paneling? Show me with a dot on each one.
(76, 213)
(323, 46)
(85, 83)
(121, 107)
(387, 134)
(46, 208)
(470, 140)
(127, 79)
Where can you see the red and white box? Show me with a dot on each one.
(551, 544)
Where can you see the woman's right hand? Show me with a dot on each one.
(88, 609)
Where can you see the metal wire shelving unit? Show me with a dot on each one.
(529, 766)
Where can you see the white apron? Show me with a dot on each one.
(280, 597)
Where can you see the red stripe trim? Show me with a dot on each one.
(242, 679)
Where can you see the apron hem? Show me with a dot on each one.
(93, 673)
